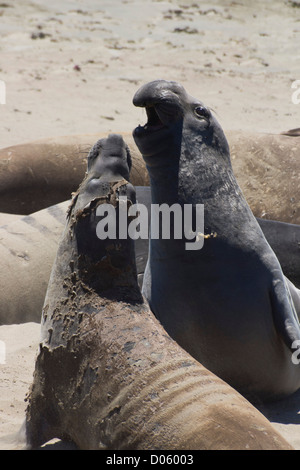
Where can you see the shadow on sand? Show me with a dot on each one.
(286, 411)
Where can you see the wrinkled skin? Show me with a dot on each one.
(107, 374)
(239, 319)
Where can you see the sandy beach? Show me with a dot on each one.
(73, 67)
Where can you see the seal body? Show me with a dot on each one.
(107, 374)
(228, 303)
(28, 247)
(41, 173)
(266, 167)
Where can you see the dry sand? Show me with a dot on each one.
(73, 67)
(88, 58)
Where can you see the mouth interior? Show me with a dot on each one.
(154, 121)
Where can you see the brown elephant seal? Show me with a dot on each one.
(227, 303)
(27, 249)
(107, 375)
(41, 173)
(266, 167)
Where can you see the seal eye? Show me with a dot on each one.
(202, 112)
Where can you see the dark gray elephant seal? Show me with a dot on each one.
(283, 238)
(107, 375)
(228, 303)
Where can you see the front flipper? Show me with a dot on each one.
(295, 294)
(284, 313)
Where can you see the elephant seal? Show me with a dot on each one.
(27, 249)
(266, 167)
(107, 375)
(239, 320)
(36, 175)
(42, 173)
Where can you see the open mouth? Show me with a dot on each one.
(154, 122)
